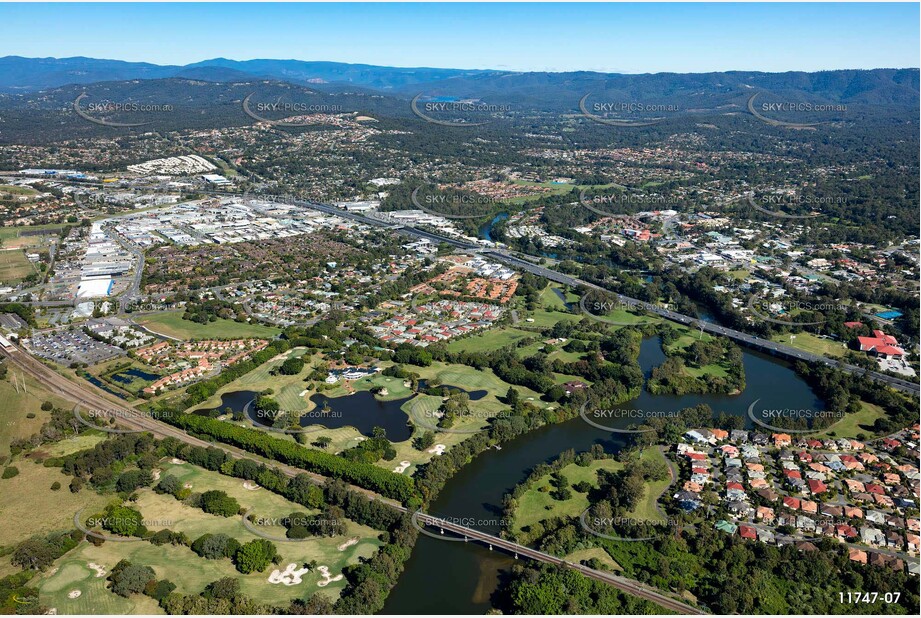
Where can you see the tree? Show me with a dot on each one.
(168, 484)
(133, 479)
(217, 502)
(122, 520)
(292, 366)
(224, 588)
(34, 554)
(131, 579)
(255, 556)
(215, 546)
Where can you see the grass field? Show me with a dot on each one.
(17, 403)
(857, 423)
(808, 342)
(17, 190)
(14, 266)
(287, 389)
(29, 494)
(171, 324)
(25, 236)
(192, 573)
(493, 339)
(594, 552)
(74, 574)
(536, 505)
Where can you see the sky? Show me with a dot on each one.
(624, 38)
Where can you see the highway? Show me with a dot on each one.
(509, 258)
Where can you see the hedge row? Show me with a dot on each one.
(364, 475)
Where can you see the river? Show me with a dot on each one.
(451, 577)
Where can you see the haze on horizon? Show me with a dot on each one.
(619, 38)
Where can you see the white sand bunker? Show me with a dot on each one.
(324, 571)
(52, 612)
(187, 485)
(100, 570)
(155, 474)
(250, 485)
(402, 467)
(304, 392)
(177, 462)
(438, 449)
(352, 541)
(291, 576)
(74, 594)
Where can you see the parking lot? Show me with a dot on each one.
(66, 347)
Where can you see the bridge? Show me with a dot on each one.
(630, 586)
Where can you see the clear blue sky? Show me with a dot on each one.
(631, 38)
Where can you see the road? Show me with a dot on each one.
(512, 259)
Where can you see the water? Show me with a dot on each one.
(100, 384)
(456, 577)
(362, 410)
(127, 376)
(486, 230)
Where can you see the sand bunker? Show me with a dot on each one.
(177, 462)
(52, 612)
(402, 467)
(155, 474)
(324, 571)
(250, 485)
(100, 570)
(304, 392)
(187, 485)
(349, 543)
(438, 449)
(74, 594)
(291, 576)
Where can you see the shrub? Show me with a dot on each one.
(10, 471)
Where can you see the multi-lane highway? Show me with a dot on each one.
(511, 259)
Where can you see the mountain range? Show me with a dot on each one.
(883, 86)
